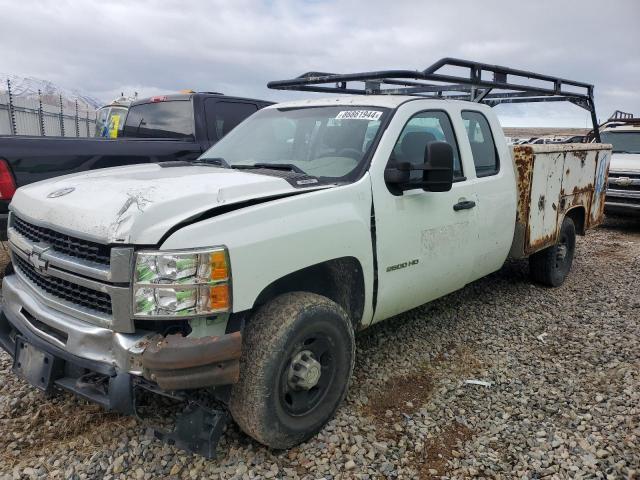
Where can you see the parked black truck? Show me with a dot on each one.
(156, 129)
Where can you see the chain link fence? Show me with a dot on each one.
(45, 115)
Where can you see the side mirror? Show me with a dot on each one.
(437, 175)
(437, 171)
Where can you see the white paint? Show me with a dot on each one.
(138, 204)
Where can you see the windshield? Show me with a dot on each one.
(319, 141)
(164, 119)
(623, 142)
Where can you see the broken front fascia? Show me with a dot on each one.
(207, 357)
(176, 362)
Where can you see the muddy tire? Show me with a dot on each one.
(552, 265)
(297, 358)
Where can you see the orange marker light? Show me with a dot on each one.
(219, 297)
(218, 262)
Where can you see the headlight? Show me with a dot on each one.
(174, 284)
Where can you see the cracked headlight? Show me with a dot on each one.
(175, 284)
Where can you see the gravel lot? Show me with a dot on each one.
(564, 399)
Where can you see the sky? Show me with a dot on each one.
(235, 47)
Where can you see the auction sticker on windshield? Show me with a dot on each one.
(359, 115)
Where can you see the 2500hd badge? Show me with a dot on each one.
(410, 263)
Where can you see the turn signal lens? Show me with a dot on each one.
(219, 297)
(218, 262)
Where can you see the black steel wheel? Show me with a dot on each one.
(552, 265)
(297, 360)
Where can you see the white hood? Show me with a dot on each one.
(625, 162)
(138, 204)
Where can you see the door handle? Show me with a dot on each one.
(464, 205)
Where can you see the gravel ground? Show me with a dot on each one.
(563, 400)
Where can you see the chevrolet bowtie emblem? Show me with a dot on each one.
(622, 181)
(39, 263)
(61, 192)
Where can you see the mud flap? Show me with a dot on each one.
(197, 430)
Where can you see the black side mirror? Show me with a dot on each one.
(437, 175)
(437, 171)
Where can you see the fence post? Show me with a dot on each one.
(87, 119)
(77, 120)
(41, 114)
(61, 117)
(12, 113)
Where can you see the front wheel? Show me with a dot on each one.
(297, 358)
(552, 265)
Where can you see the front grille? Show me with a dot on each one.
(74, 247)
(65, 290)
(623, 200)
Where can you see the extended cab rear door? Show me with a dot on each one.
(425, 241)
(491, 176)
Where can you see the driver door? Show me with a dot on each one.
(424, 245)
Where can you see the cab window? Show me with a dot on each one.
(483, 148)
(223, 116)
(422, 129)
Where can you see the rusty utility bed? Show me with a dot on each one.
(554, 180)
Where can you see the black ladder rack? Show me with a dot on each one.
(483, 83)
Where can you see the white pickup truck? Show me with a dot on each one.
(249, 271)
(622, 131)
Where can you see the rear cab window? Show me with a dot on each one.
(161, 119)
(223, 116)
(483, 147)
(422, 129)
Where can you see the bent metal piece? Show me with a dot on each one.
(178, 362)
(198, 430)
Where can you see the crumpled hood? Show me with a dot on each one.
(139, 203)
(625, 162)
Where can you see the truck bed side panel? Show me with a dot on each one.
(553, 180)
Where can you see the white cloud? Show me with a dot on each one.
(103, 47)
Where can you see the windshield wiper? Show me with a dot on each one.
(217, 161)
(273, 166)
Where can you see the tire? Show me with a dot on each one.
(268, 403)
(552, 265)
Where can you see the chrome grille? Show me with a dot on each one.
(57, 287)
(68, 245)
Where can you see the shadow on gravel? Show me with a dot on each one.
(55, 423)
(627, 225)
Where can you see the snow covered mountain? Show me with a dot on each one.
(28, 87)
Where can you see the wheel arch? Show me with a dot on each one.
(340, 279)
(578, 215)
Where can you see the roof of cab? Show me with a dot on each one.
(187, 96)
(384, 101)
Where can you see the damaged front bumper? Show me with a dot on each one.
(121, 361)
(176, 362)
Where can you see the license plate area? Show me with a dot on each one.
(37, 367)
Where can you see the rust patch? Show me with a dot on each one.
(582, 155)
(541, 243)
(523, 159)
